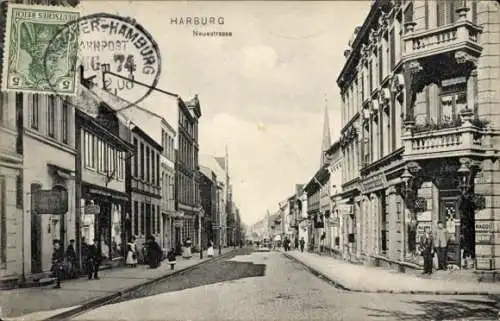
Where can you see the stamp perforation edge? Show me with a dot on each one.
(6, 45)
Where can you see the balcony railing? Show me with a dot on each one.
(464, 140)
(459, 35)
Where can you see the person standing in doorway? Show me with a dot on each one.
(427, 250)
(441, 244)
(57, 263)
(302, 244)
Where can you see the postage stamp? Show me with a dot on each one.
(29, 30)
(117, 53)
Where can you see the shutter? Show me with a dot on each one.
(441, 13)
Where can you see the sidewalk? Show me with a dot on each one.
(361, 278)
(74, 293)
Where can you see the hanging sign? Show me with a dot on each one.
(54, 201)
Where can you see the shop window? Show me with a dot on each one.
(148, 219)
(136, 218)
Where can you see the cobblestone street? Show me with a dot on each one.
(251, 285)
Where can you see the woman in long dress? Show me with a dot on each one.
(210, 251)
(186, 253)
(131, 254)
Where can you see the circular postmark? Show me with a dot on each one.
(113, 52)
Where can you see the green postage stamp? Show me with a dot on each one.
(27, 67)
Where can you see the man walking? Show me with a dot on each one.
(302, 244)
(427, 250)
(441, 244)
(93, 261)
(57, 263)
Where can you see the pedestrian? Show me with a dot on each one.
(427, 250)
(57, 263)
(210, 250)
(155, 253)
(93, 261)
(131, 253)
(71, 259)
(441, 245)
(171, 258)
(186, 253)
(85, 255)
(302, 244)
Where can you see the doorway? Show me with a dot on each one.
(449, 214)
(36, 235)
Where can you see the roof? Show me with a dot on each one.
(194, 104)
(316, 182)
(149, 139)
(334, 148)
(206, 171)
(353, 58)
(221, 161)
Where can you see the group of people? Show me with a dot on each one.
(434, 245)
(64, 263)
(152, 253)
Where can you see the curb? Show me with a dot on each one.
(103, 300)
(341, 286)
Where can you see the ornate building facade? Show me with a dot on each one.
(419, 133)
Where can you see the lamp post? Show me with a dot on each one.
(407, 178)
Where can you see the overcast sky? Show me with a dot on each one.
(262, 90)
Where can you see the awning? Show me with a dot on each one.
(277, 237)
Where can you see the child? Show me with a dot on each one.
(171, 258)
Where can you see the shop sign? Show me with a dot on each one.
(484, 237)
(374, 183)
(421, 229)
(54, 201)
(92, 209)
(484, 227)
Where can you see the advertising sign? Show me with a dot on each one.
(54, 201)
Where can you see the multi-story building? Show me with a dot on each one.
(338, 220)
(420, 129)
(102, 167)
(186, 163)
(208, 191)
(302, 213)
(146, 186)
(167, 162)
(11, 189)
(316, 217)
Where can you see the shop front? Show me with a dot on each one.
(104, 224)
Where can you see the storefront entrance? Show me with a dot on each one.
(449, 214)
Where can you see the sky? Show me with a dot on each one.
(262, 90)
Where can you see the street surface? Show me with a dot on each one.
(252, 285)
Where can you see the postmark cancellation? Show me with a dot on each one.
(29, 31)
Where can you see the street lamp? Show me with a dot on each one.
(465, 178)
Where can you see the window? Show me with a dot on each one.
(88, 149)
(408, 14)
(51, 116)
(453, 99)
(153, 167)
(148, 219)
(392, 43)
(370, 77)
(157, 169)
(136, 158)
(142, 161)
(153, 219)
(120, 164)
(35, 109)
(101, 156)
(65, 122)
(380, 65)
(158, 220)
(143, 217)
(19, 191)
(446, 13)
(147, 164)
(136, 218)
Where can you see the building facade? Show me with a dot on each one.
(146, 196)
(11, 188)
(208, 191)
(167, 163)
(419, 136)
(102, 168)
(186, 169)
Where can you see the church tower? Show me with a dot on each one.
(326, 138)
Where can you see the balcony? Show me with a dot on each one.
(467, 139)
(462, 35)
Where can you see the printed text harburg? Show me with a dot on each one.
(197, 21)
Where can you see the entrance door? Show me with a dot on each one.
(36, 236)
(177, 235)
(449, 214)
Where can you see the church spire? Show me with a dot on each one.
(327, 140)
